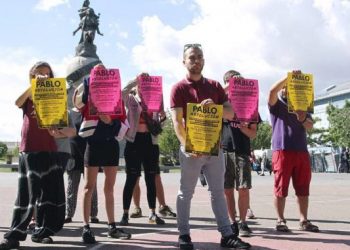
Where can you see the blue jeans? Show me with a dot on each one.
(214, 170)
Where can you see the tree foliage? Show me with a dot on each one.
(3, 149)
(317, 136)
(263, 136)
(339, 125)
(169, 145)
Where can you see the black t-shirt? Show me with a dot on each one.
(233, 139)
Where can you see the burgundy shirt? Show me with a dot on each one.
(34, 139)
(188, 91)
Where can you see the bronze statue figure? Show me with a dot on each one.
(89, 23)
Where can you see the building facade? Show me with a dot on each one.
(336, 95)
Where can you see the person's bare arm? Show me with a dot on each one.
(176, 116)
(249, 131)
(228, 113)
(273, 97)
(62, 133)
(23, 97)
(308, 123)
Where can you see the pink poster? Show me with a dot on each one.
(105, 92)
(152, 92)
(244, 98)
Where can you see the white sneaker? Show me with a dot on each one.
(250, 214)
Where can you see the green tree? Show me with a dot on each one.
(169, 145)
(317, 136)
(3, 149)
(263, 136)
(339, 125)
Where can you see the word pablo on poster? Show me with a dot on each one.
(203, 129)
(105, 92)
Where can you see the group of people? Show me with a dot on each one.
(93, 144)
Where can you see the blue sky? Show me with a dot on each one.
(262, 39)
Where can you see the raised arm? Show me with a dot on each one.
(23, 97)
(273, 97)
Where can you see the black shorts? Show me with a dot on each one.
(141, 152)
(102, 154)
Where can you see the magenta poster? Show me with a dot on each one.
(151, 92)
(105, 92)
(244, 98)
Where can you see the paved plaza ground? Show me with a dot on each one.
(329, 209)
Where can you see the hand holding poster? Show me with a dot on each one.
(203, 128)
(105, 92)
(300, 92)
(244, 97)
(50, 102)
(152, 92)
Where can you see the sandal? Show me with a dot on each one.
(306, 225)
(281, 226)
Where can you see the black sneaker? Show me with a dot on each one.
(185, 242)
(7, 244)
(94, 220)
(43, 240)
(244, 230)
(233, 242)
(125, 220)
(166, 211)
(117, 233)
(154, 219)
(235, 229)
(88, 236)
(67, 220)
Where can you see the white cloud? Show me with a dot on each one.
(46, 5)
(176, 2)
(261, 39)
(122, 47)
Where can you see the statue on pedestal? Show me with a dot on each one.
(89, 25)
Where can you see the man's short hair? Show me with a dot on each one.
(192, 45)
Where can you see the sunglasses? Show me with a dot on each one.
(192, 45)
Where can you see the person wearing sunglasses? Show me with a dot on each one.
(195, 88)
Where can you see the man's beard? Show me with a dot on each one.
(196, 70)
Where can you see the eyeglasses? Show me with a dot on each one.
(192, 45)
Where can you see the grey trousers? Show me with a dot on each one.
(72, 192)
(214, 170)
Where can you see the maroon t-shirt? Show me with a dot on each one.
(34, 139)
(188, 91)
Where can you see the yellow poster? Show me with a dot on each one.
(50, 102)
(203, 128)
(300, 92)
